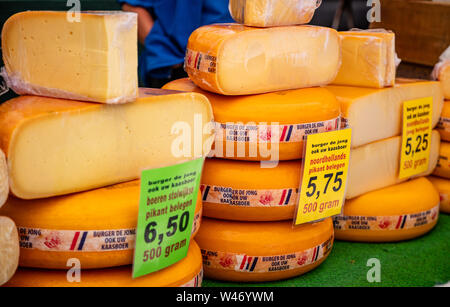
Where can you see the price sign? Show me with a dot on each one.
(324, 180)
(415, 154)
(166, 213)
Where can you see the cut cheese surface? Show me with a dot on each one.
(399, 212)
(270, 13)
(262, 251)
(232, 59)
(56, 147)
(9, 249)
(256, 194)
(98, 227)
(368, 59)
(443, 165)
(93, 59)
(187, 273)
(444, 122)
(444, 77)
(443, 187)
(376, 114)
(262, 127)
(376, 165)
(4, 184)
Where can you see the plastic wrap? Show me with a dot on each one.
(441, 72)
(270, 13)
(4, 184)
(9, 249)
(94, 59)
(232, 59)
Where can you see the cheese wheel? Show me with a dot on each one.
(267, 126)
(399, 212)
(4, 184)
(232, 59)
(98, 227)
(262, 251)
(443, 187)
(444, 76)
(243, 191)
(444, 122)
(185, 273)
(56, 146)
(9, 249)
(443, 165)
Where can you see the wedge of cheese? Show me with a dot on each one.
(368, 59)
(376, 114)
(57, 147)
(270, 13)
(93, 59)
(376, 165)
(233, 59)
(9, 249)
(4, 184)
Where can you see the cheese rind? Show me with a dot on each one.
(376, 114)
(232, 59)
(443, 187)
(399, 212)
(9, 249)
(270, 13)
(444, 122)
(98, 227)
(443, 165)
(94, 59)
(376, 165)
(56, 147)
(186, 272)
(4, 184)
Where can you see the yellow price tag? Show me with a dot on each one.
(324, 180)
(415, 154)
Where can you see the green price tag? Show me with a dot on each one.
(166, 213)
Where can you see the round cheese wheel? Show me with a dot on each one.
(444, 122)
(4, 184)
(243, 191)
(399, 212)
(98, 227)
(267, 126)
(443, 165)
(262, 251)
(443, 187)
(185, 273)
(9, 249)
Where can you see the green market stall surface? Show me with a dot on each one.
(420, 262)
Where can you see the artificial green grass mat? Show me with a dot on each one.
(419, 262)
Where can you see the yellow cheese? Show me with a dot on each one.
(56, 146)
(376, 114)
(269, 13)
(185, 273)
(98, 227)
(94, 59)
(9, 249)
(4, 185)
(444, 122)
(376, 165)
(399, 212)
(368, 59)
(443, 165)
(267, 126)
(444, 77)
(256, 194)
(232, 59)
(262, 251)
(443, 187)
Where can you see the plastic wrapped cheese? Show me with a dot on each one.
(270, 13)
(4, 184)
(9, 249)
(441, 72)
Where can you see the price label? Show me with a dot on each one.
(166, 213)
(324, 180)
(415, 154)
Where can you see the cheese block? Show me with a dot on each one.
(376, 165)
(376, 114)
(9, 249)
(443, 165)
(399, 212)
(262, 251)
(93, 59)
(368, 59)
(4, 184)
(232, 59)
(444, 122)
(443, 187)
(56, 146)
(270, 13)
(256, 194)
(267, 126)
(185, 273)
(443, 75)
(98, 227)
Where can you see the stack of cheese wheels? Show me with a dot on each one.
(75, 150)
